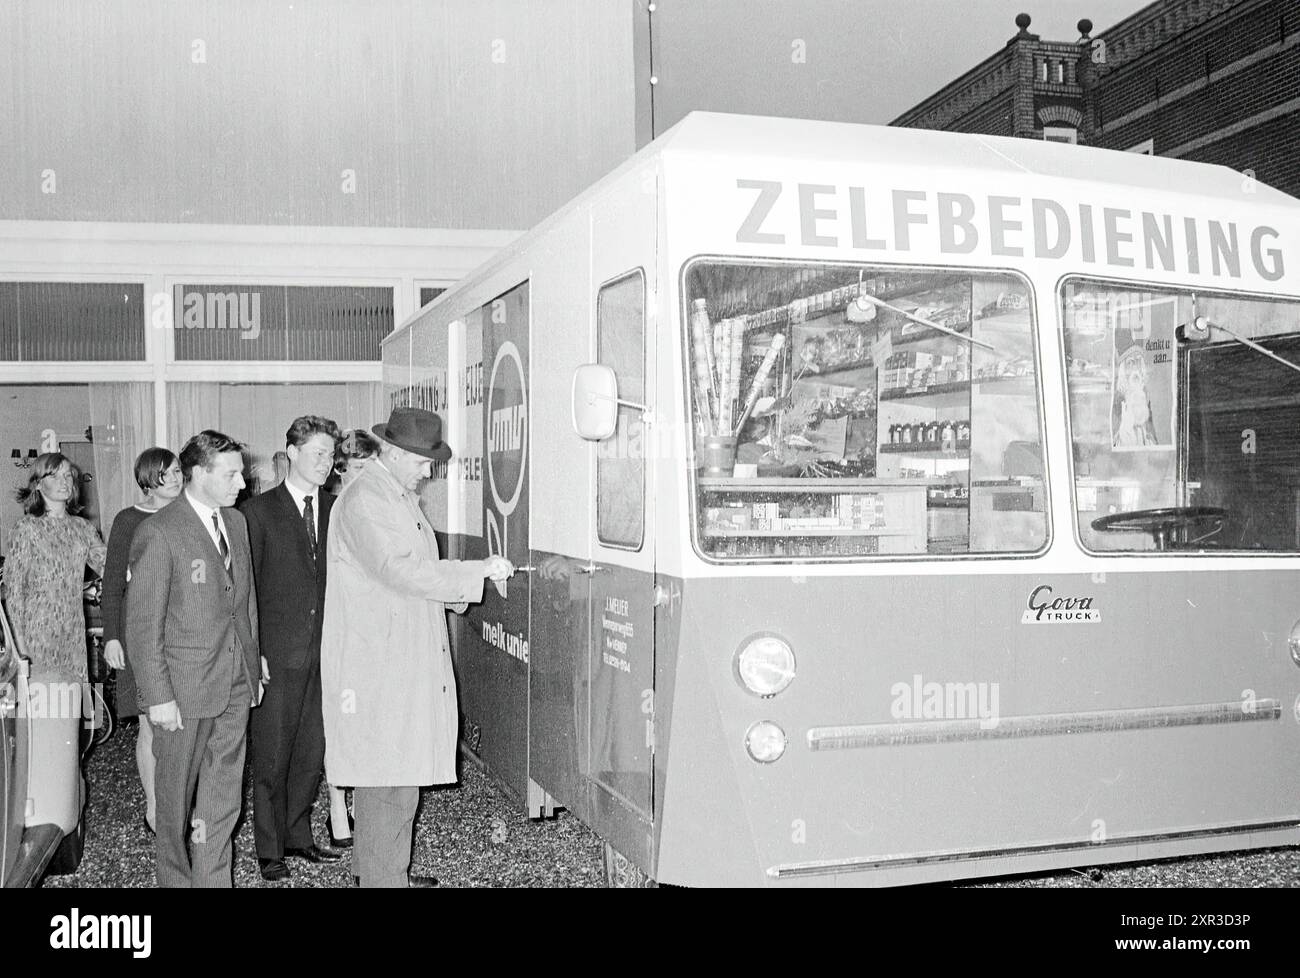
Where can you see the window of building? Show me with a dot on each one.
(620, 459)
(71, 321)
(428, 294)
(277, 322)
(1042, 69)
(100, 427)
(259, 415)
(1060, 134)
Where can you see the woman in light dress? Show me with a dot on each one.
(49, 551)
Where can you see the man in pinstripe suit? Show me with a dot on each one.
(191, 635)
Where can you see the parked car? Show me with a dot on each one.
(42, 789)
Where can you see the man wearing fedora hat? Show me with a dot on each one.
(387, 688)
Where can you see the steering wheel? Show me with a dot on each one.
(1167, 525)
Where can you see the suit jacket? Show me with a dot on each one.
(189, 624)
(290, 585)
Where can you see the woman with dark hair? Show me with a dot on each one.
(356, 450)
(49, 551)
(158, 474)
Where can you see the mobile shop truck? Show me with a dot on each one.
(890, 505)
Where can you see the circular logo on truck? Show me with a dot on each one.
(507, 423)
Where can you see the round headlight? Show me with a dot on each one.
(1293, 643)
(765, 741)
(765, 665)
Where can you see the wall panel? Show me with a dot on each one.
(443, 113)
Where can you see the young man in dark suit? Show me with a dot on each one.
(191, 636)
(287, 530)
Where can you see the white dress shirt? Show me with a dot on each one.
(205, 514)
(299, 500)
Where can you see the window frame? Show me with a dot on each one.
(1180, 407)
(684, 366)
(639, 273)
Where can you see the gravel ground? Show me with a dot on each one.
(469, 835)
(472, 836)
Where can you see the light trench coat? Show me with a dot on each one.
(387, 688)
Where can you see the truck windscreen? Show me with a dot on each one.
(1183, 439)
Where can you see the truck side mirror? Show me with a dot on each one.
(595, 401)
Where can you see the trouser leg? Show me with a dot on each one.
(177, 755)
(307, 762)
(220, 790)
(382, 838)
(271, 729)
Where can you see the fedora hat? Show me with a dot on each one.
(415, 430)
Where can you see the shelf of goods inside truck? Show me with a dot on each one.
(948, 545)
(809, 531)
(926, 450)
(797, 484)
(950, 393)
(931, 392)
(840, 368)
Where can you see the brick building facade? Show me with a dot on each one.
(1217, 81)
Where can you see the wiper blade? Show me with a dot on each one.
(925, 322)
(1202, 329)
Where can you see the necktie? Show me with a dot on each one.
(222, 546)
(309, 517)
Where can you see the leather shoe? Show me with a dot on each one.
(335, 841)
(315, 854)
(273, 870)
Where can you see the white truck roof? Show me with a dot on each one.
(720, 134)
(1040, 166)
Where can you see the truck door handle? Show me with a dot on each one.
(588, 569)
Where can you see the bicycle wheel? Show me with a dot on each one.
(99, 725)
(106, 721)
